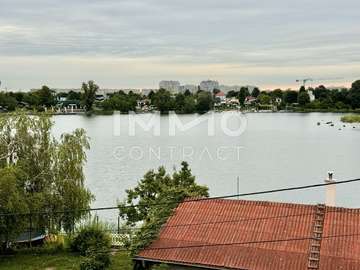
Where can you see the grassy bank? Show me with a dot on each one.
(59, 261)
(354, 118)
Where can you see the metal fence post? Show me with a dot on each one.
(118, 225)
(30, 229)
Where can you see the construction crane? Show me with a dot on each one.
(304, 81)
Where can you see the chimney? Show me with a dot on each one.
(330, 190)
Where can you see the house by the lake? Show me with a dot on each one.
(255, 235)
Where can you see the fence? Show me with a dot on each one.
(32, 229)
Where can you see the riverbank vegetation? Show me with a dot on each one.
(89, 99)
(355, 118)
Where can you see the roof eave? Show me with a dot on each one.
(139, 258)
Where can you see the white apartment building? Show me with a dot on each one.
(209, 85)
(172, 86)
(191, 87)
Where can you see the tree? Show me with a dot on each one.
(163, 101)
(152, 201)
(189, 105)
(303, 98)
(255, 92)
(46, 96)
(216, 91)
(179, 102)
(120, 102)
(11, 201)
(8, 101)
(187, 93)
(243, 93)
(204, 102)
(231, 94)
(73, 95)
(356, 85)
(52, 176)
(264, 99)
(354, 95)
(89, 94)
(290, 97)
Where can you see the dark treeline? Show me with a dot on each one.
(325, 99)
(319, 98)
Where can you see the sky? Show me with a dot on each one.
(137, 43)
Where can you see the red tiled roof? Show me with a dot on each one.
(220, 94)
(237, 234)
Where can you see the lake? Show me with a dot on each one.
(271, 150)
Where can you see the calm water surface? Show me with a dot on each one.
(276, 150)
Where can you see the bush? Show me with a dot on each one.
(94, 243)
(91, 236)
(96, 260)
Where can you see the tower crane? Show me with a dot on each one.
(305, 80)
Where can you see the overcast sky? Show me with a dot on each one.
(136, 43)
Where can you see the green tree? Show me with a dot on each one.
(53, 178)
(72, 95)
(189, 105)
(303, 98)
(321, 92)
(46, 96)
(179, 102)
(264, 99)
(205, 102)
(354, 95)
(356, 85)
(290, 97)
(89, 94)
(163, 101)
(11, 201)
(255, 92)
(243, 93)
(187, 93)
(152, 201)
(231, 94)
(8, 101)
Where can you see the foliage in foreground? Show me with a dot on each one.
(152, 201)
(351, 118)
(90, 236)
(40, 175)
(58, 261)
(94, 243)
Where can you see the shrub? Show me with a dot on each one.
(96, 259)
(90, 236)
(94, 243)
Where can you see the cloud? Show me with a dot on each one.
(263, 34)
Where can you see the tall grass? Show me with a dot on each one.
(353, 118)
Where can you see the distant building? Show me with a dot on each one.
(227, 88)
(209, 85)
(171, 86)
(220, 96)
(249, 100)
(191, 87)
(311, 95)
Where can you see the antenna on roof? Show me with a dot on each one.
(238, 186)
(330, 199)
